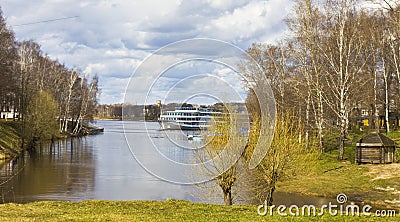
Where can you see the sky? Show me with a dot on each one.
(112, 38)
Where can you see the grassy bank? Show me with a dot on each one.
(325, 176)
(170, 210)
(10, 143)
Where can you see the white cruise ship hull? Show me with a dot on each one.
(187, 118)
(180, 126)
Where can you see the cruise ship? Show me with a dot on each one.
(187, 118)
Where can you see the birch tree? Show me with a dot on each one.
(342, 50)
(70, 79)
(391, 39)
(87, 102)
(306, 24)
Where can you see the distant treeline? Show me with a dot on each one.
(133, 112)
(142, 112)
(38, 90)
(128, 112)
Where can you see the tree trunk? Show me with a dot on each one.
(386, 79)
(228, 197)
(320, 123)
(271, 189)
(307, 123)
(269, 199)
(387, 109)
(343, 131)
(300, 133)
(375, 110)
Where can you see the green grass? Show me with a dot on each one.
(396, 137)
(325, 176)
(170, 210)
(10, 142)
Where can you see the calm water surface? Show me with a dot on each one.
(103, 167)
(95, 167)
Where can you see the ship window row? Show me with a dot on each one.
(187, 114)
(179, 114)
(185, 108)
(186, 119)
(169, 118)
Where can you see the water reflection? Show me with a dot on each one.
(63, 170)
(93, 167)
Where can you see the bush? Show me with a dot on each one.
(41, 123)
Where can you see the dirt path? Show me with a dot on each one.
(383, 171)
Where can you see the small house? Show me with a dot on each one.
(375, 148)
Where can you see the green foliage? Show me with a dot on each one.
(41, 122)
(395, 135)
(332, 135)
(282, 157)
(331, 139)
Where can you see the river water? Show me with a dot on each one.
(93, 167)
(103, 167)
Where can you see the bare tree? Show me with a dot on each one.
(87, 102)
(71, 78)
(223, 151)
(342, 49)
(8, 57)
(306, 24)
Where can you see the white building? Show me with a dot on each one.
(9, 114)
(7, 107)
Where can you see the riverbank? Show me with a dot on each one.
(10, 139)
(325, 176)
(169, 210)
(10, 142)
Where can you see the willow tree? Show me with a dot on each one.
(41, 122)
(280, 160)
(222, 154)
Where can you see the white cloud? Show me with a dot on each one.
(111, 38)
(226, 4)
(255, 21)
